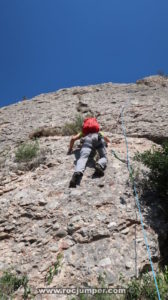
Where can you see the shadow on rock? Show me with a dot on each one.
(157, 218)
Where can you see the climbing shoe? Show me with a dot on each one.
(75, 179)
(99, 170)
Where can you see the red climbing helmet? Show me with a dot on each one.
(90, 125)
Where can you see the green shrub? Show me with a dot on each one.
(157, 162)
(73, 127)
(10, 283)
(144, 287)
(27, 151)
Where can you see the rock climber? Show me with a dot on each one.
(92, 139)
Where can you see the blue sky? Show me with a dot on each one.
(51, 44)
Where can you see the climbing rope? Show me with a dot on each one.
(135, 243)
(116, 156)
(137, 199)
(136, 217)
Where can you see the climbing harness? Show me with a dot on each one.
(136, 196)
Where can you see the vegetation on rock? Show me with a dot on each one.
(73, 127)
(157, 162)
(137, 289)
(54, 269)
(144, 287)
(10, 282)
(27, 151)
(69, 128)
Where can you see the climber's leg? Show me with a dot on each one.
(84, 155)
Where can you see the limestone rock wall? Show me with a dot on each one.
(94, 226)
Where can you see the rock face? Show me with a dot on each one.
(96, 227)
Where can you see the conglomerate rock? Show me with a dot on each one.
(96, 227)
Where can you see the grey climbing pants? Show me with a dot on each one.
(91, 142)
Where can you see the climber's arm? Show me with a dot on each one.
(72, 141)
